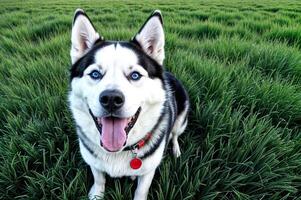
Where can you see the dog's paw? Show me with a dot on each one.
(96, 192)
(176, 149)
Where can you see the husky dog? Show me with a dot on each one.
(125, 106)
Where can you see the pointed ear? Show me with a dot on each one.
(151, 37)
(83, 35)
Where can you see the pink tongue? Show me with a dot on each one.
(113, 133)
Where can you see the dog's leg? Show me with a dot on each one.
(98, 188)
(175, 146)
(178, 129)
(144, 183)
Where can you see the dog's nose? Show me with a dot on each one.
(111, 100)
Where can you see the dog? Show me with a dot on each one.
(126, 107)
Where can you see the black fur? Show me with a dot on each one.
(178, 91)
(158, 141)
(151, 66)
(84, 138)
(176, 101)
(176, 98)
(174, 105)
(81, 64)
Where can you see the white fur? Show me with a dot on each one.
(84, 95)
(116, 63)
(98, 187)
(85, 92)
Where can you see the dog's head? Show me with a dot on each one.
(117, 91)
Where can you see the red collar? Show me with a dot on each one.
(136, 162)
(140, 143)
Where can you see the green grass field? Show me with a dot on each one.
(239, 60)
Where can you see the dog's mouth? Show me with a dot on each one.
(113, 130)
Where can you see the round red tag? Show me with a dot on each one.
(135, 163)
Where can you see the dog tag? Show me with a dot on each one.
(136, 163)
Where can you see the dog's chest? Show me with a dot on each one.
(118, 165)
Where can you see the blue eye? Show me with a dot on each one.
(135, 76)
(95, 75)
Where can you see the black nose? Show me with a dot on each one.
(111, 100)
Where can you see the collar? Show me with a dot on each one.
(136, 162)
(141, 143)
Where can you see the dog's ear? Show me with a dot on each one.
(151, 37)
(83, 35)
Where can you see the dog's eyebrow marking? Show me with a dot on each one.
(99, 66)
(131, 67)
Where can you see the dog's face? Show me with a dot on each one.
(117, 91)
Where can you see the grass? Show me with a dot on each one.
(240, 62)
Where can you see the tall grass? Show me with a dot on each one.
(240, 62)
